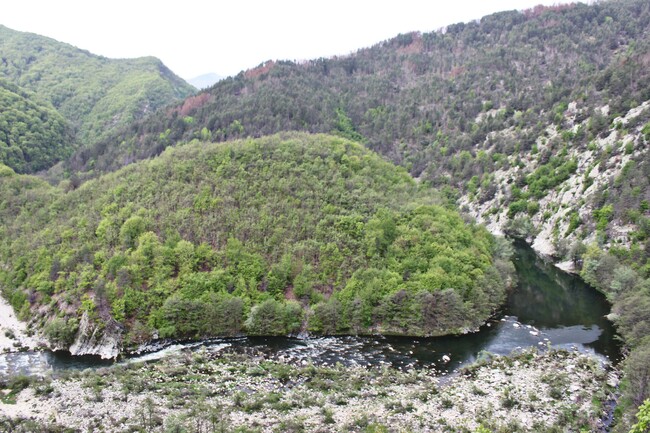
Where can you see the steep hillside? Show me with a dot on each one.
(574, 187)
(95, 94)
(269, 236)
(33, 135)
(536, 123)
(479, 109)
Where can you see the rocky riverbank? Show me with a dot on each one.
(200, 391)
(13, 332)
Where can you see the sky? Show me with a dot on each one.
(195, 37)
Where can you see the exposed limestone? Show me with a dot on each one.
(93, 339)
(573, 196)
(567, 266)
(13, 332)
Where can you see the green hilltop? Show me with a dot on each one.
(269, 236)
(95, 95)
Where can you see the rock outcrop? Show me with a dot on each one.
(565, 215)
(103, 339)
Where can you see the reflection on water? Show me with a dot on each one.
(548, 307)
(561, 305)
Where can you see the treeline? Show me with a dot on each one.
(269, 236)
(33, 135)
(95, 95)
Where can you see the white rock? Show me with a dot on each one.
(91, 340)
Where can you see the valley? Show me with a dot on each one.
(358, 200)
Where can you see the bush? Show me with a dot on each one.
(326, 317)
(517, 206)
(61, 332)
(273, 317)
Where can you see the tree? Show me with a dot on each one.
(637, 374)
(131, 230)
(643, 417)
(326, 317)
(272, 317)
(624, 279)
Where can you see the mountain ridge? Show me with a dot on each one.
(204, 81)
(452, 107)
(93, 93)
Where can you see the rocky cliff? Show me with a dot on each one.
(571, 212)
(103, 339)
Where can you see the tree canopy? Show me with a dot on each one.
(95, 95)
(268, 236)
(33, 135)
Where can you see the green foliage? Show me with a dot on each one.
(343, 126)
(61, 332)
(646, 132)
(95, 95)
(643, 417)
(603, 216)
(517, 206)
(218, 239)
(326, 317)
(630, 294)
(33, 135)
(574, 223)
(520, 227)
(550, 175)
(213, 313)
(273, 317)
(6, 171)
(131, 231)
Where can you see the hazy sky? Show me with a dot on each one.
(194, 37)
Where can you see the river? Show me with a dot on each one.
(548, 307)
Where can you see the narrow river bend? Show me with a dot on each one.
(549, 307)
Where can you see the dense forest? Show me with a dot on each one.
(269, 236)
(95, 95)
(501, 112)
(33, 135)
(536, 123)
(431, 102)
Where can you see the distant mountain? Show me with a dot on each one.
(33, 135)
(204, 81)
(95, 94)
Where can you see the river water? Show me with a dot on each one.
(548, 308)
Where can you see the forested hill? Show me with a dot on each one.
(94, 94)
(268, 236)
(33, 135)
(502, 112)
